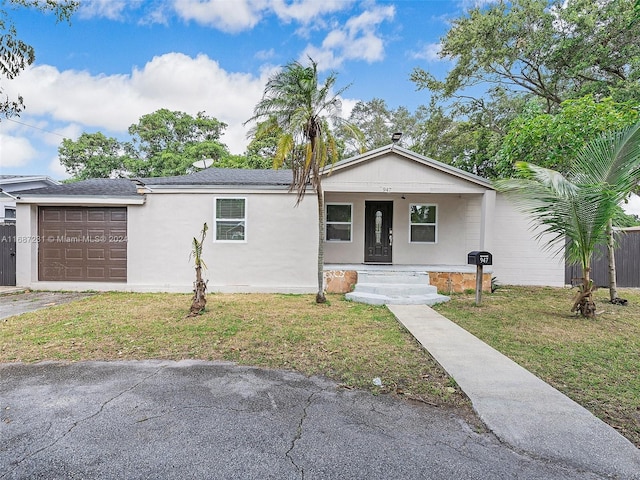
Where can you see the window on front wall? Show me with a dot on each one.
(423, 223)
(230, 219)
(338, 222)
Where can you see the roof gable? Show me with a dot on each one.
(395, 169)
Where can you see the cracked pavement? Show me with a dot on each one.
(194, 419)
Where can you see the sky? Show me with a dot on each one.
(121, 59)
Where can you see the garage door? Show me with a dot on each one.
(86, 244)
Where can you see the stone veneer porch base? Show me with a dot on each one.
(446, 278)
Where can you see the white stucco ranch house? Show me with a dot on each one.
(389, 209)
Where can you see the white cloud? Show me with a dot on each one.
(15, 151)
(430, 53)
(632, 206)
(231, 16)
(114, 102)
(265, 54)
(469, 4)
(111, 9)
(239, 15)
(57, 170)
(357, 39)
(306, 11)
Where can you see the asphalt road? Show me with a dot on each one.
(201, 420)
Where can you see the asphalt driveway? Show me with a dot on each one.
(192, 419)
(17, 303)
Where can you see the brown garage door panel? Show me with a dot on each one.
(83, 244)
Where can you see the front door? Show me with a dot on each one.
(378, 233)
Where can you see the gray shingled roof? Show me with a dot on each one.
(111, 187)
(226, 176)
(123, 187)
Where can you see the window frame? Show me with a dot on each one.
(434, 224)
(327, 222)
(216, 219)
(10, 218)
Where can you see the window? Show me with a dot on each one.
(338, 222)
(10, 214)
(230, 219)
(423, 224)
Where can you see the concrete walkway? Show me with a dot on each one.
(520, 409)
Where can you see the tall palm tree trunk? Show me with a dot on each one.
(320, 297)
(613, 285)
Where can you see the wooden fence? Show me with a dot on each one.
(627, 263)
(8, 254)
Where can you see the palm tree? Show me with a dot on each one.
(581, 206)
(301, 112)
(199, 300)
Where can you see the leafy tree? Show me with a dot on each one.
(164, 143)
(467, 136)
(263, 145)
(551, 140)
(15, 54)
(301, 112)
(377, 123)
(554, 50)
(580, 206)
(93, 155)
(168, 142)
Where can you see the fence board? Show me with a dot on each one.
(7, 254)
(627, 254)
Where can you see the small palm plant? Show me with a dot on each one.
(581, 206)
(199, 300)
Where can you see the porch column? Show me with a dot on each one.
(487, 220)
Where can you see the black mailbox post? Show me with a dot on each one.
(479, 259)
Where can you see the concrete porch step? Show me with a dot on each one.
(380, 287)
(378, 299)
(393, 277)
(396, 288)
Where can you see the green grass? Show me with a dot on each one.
(349, 342)
(594, 362)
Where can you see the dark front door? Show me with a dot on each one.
(378, 233)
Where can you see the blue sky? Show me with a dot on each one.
(121, 59)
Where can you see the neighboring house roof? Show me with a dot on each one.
(224, 176)
(378, 152)
(15, 179)
(107, 187)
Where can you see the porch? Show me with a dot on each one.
(447, 279)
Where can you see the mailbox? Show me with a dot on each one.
(479, 258)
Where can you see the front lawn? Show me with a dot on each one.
(594, 362)
(349, 342)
